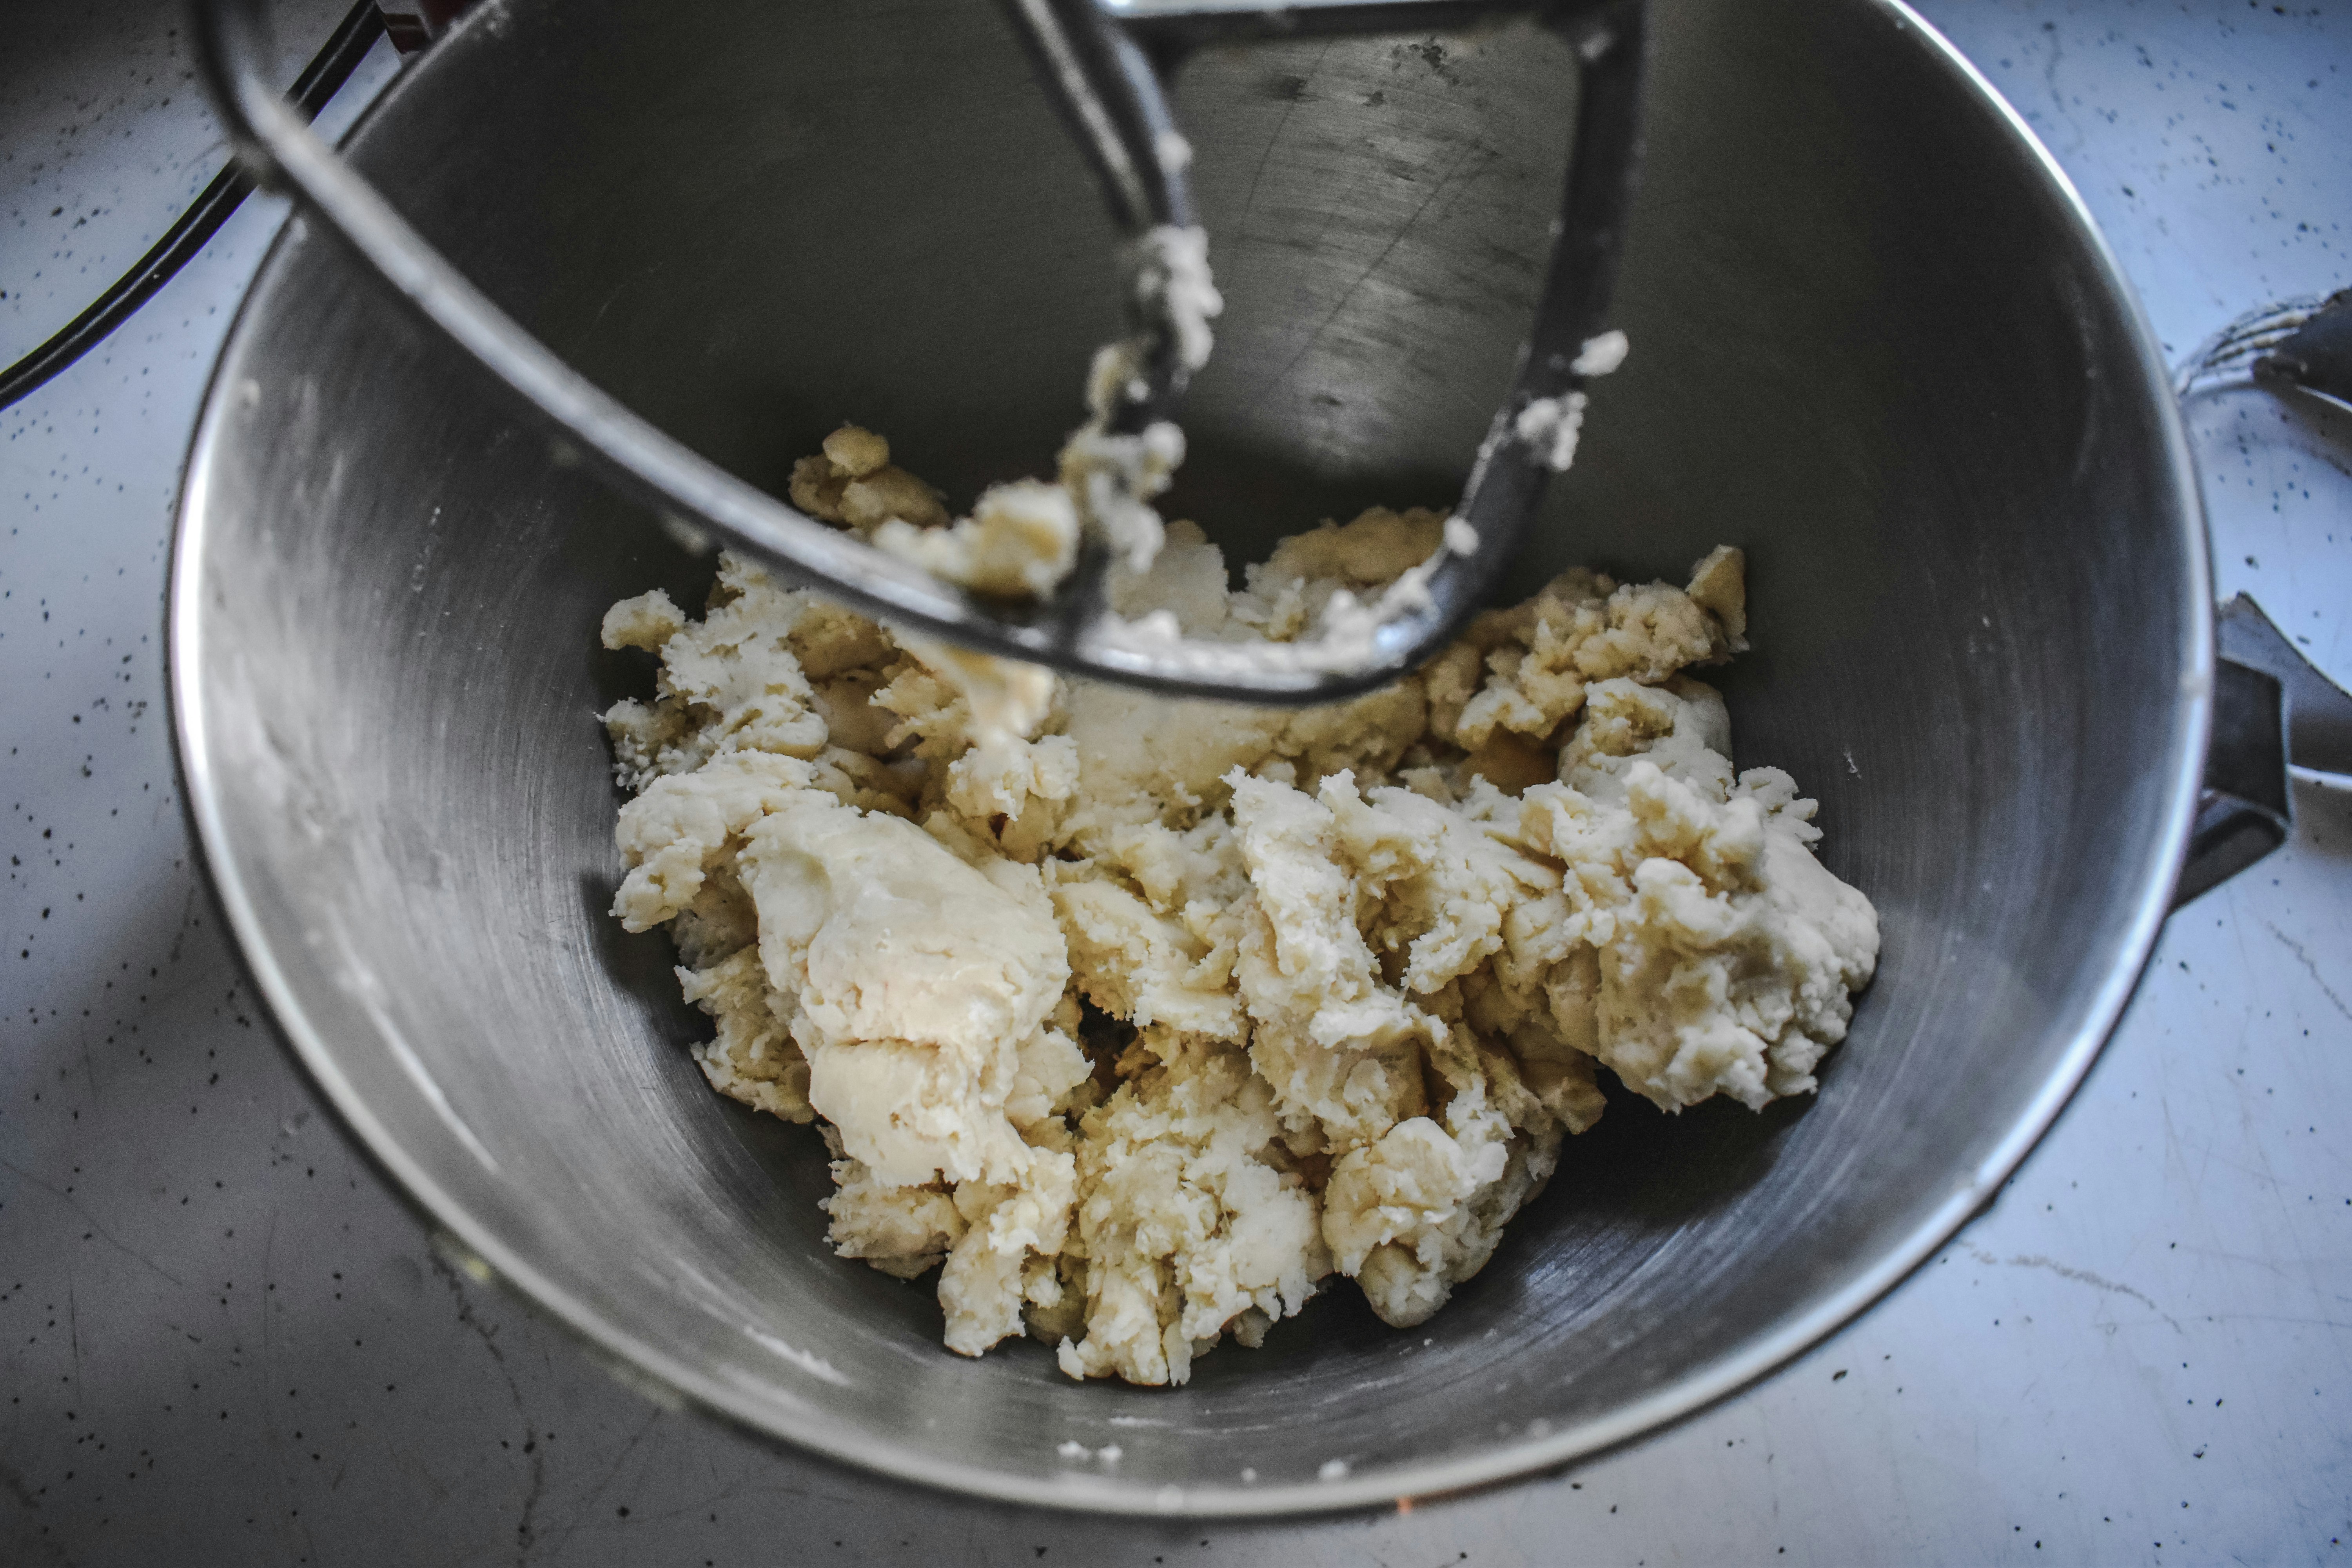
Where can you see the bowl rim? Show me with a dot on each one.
(652, 1371)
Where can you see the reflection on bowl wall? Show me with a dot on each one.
(1874, 342)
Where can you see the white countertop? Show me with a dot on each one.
(222, 1339)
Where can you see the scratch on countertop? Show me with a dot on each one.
(2303, 954)
(187, 920)
(2058, 94)
(400, 1455)
(14, 1486)
(595, 1493)
(88, 1073)
(532, 1494)
(99, 1230)
(740, 1489)
(536, 1489)
(73, 1337)
(286, 1476)
(2080, 1276)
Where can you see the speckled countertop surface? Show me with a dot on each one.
(222, 1341)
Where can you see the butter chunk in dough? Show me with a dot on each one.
(1421, 1211)
(1144, 1020)
(1584, 628)
(1146, 967)
(916, 979)
(853, 483)
(754, 1057)
(1187, 1225)
(1342, 1050)
(1726, 956)
(1019, 542)
(670, 835)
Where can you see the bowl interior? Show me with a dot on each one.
(1873, 344)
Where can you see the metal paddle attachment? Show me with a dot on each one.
(1104, 62)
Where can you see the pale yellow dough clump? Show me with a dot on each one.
(1144, 1027)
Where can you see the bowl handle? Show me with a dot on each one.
(2245, 809)
(2271, 707)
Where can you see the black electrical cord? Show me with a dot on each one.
(328, 71)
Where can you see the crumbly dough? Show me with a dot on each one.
(1144, 1027)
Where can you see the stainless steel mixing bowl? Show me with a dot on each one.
(1876, 341)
